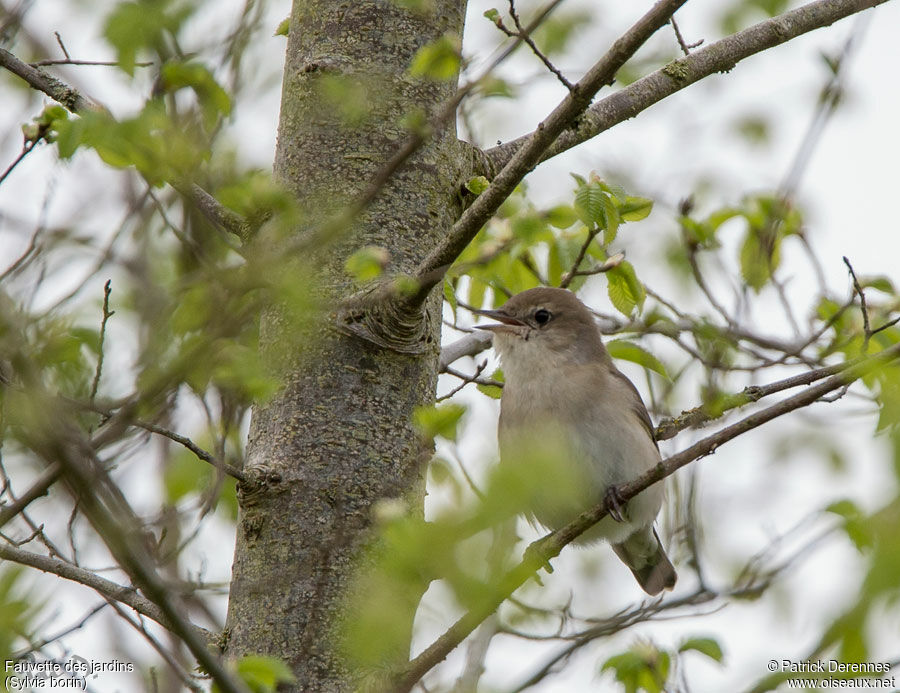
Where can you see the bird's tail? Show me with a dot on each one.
(643, 553)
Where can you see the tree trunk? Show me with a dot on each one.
(338, 436)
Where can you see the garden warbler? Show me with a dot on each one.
(564, 399)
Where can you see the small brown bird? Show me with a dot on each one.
(563, 394)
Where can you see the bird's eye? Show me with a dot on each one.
(542, 316)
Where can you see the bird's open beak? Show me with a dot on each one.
(507, 322)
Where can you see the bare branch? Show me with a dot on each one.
(698, 416)
(862, 305)
(470, 345)
(27, 148)
(534, 147)
(216, 213)
(50, 85)
(721, 56)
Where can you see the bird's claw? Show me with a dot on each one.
(614, 503)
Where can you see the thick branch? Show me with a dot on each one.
(720, 56)
(692, 418)
(541, 551)
(470, 345)
(527, 156)
(54, 88)
(216, 213)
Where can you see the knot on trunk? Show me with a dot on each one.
(389, 317)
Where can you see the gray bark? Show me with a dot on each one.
(338, 436)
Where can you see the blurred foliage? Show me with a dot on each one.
(19, 608)
(555, 34)
(438, 60)
(523, 247)
(261, 674)
(739, 14)
(645, 668)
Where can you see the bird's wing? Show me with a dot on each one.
(637, 405)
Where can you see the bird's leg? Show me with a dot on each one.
(614, 503)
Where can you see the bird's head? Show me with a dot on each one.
(544, 327)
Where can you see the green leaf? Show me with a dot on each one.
(477, 185)
(643, 668)
(367, 263)
(635, 208)
(589, 204)
(69, 136)
(707, 646)
(561, 216)
(438, 60)
(133, 26)
(477, 290)
(185, 474)
(611, 213)
(493, 85)
(493, 391)
(756, 262)
(528, 228)
(492, 14)
(262, 674)
(283, 28)
(441, 420)
(629, 351)
(855, 524)
(625, 290)
(562, 255)
(213, 99)
(879, 283)
(450, 297)
(555, 32)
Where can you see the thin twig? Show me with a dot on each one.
(685, 47)
(27, 148)
(466, 379)
(570, 275)
(107, 588)
(167, 656)
(62, 45)
(524, 34)
(107, 314)
(862, 305)
(698, 416)
(96, 63)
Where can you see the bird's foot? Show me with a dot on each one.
(615, 503)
